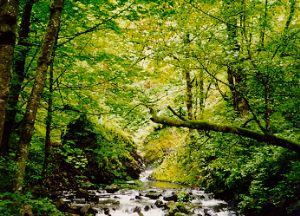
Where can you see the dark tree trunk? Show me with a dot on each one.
(8, 22)
(234, 76)
(18, 76)
(200, 96)
(189, 95)
(49, 118)
(230, 78)
(188, 81)
(268, 110)
(263, 26)
(33, 103)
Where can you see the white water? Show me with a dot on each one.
(136, 203)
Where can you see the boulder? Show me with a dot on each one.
(81, 193)
(88, 210)
(106, 211)
(184, 196)
(159, 204)
(146, 208)
(177, 209)
(153, 194)
(93, 198)
(170, 196)
(138, 210)
(112, 188)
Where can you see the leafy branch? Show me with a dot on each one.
(208, 126)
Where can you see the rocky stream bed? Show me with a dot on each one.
(155, 199)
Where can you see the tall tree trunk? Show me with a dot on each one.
(33, 103)
(8, 22)
(188, 81)
(268, 110)
(18, 76)
(49, 117)
(234, 76)
(264, 25)
(201, 89)
(200, 95)
(189, 94)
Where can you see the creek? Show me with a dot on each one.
(155, 198)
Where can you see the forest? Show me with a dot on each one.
(206, 93)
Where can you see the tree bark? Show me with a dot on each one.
(201, 92)
(49, 116)
(188, 80)
(267, 98)
(189, 95)
(8, 23)
(204, 125)
(264, 25)
(33, 103)
(18, 76)
(234, 76)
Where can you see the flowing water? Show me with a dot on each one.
(154, 199)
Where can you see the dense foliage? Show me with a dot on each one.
(101, 155)
(76, 95)
(261, 180)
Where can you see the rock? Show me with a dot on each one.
(106, 211)
(220, 206)
(153, 194)
(81, 193)
(209, 212)
(138, 210)
(159, 204)
(184, 196)
(146, 208)
(79, 200)
(112, 188)
(109, 202)
(101, 191)
(93, 198)
(170, 196)
(75, 208)
(138, 197)
(62, 204)
(177, 209)
(181, 208)
(88, 210)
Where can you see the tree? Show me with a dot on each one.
(36, 93)
(207, 126)
(8, 20)
(235, 77)
(18, 76)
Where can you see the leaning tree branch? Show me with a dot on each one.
(205, 125)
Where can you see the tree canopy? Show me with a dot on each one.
(134, 68)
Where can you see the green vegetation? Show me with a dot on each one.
(16, 204)
(205, 92)
(260, 179)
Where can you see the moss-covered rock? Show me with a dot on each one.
(97, 154)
